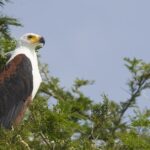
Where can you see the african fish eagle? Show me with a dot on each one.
(19, 80)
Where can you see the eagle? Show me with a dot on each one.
(19, 80)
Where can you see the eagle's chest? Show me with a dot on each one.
(36, 79)
(35, 72)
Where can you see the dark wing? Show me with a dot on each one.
(16, 84)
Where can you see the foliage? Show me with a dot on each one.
(7, 43)
(75, 122)
(5, 22)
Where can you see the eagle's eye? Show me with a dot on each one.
(30, 36)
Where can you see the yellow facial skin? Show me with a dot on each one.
(34, 39)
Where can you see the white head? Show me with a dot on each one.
(32, 41)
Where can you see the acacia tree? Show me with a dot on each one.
(75, 122)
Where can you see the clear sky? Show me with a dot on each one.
(89, 39)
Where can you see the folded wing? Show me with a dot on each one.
(16, 85)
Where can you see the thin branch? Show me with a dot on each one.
(45, 139)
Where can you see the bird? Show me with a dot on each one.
(20, 80)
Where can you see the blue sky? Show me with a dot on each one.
(89, 39)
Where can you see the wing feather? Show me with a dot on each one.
(16, 84)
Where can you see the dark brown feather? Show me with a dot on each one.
(16, 85)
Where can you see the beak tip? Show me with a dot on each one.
(42, 40)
